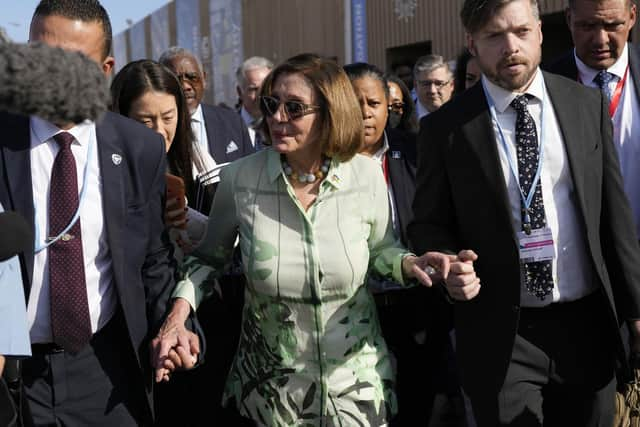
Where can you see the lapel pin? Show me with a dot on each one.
(396, 154)
(116, 159)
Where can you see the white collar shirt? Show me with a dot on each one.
(249, 121)
(378, 156)
(101, 292)
(571, 273)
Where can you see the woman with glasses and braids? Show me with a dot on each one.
(401, 108)
(312, 218)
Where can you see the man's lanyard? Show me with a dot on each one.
(617, 94)
(41, 245)
(526, 199)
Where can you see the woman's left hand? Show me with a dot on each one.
(428, 268)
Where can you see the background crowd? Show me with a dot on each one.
(451, 243)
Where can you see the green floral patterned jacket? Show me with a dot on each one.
(311, 351)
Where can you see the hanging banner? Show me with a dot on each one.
(359, 30)
(159, 32)
(138, 41)
(188, 25)
(225, 21)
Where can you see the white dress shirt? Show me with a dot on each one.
(378, 156)
(101, 293)
(626, 127)
(421, 111)
(201, 143)
(249, 121)
(572, 275)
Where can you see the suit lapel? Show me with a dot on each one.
(634, 67)
(568, 114)
(113, 164)
(478, 131)
(216, 149)
(16, 153)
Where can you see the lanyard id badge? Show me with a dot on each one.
(537, 246)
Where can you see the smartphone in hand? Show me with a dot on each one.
(175, 211)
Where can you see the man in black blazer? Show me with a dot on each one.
(217, 128)
(600, 30)
(538, 339)
(91, 323)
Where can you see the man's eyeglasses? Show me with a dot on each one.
(294, 109)
(189, 77)
(439, 84)
(396, 107)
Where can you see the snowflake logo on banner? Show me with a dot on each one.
(404, 9)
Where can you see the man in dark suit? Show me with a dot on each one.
(217, 129)
(100, 276)
(249, 78)
(522, 169)
(603, 58)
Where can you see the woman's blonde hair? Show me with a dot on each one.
(339, 122)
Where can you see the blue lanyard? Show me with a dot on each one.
(525, 198)
(51, 240)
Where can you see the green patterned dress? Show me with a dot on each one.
(311, 351)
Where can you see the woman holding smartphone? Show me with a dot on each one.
(150, 93)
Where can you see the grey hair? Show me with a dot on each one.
(251, 64)
(176, 52)
(429, 63)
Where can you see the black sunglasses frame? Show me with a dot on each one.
(290, 107)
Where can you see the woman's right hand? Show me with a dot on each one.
(175, 213)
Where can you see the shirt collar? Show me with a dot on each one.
(587, 74)
(246, 117)
(502, 97)
(274, 169)
(197, 115)
(378, 155)
(44, 131)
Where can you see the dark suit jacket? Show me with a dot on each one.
(566, 66)
(133, 195)
(224, 126)
(462, 203)
(401, 160)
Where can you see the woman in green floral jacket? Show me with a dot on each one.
(312, 218)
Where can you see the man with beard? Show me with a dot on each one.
(603, 59)
(522, 169)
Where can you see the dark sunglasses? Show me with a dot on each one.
(397, 107)
(294, 109)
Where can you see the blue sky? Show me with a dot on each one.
(16, 14)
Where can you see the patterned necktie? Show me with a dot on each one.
(602, 79)
(538, 275)
(70, 321)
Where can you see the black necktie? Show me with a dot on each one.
(538, 275)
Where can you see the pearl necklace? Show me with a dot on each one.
(306, 177)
